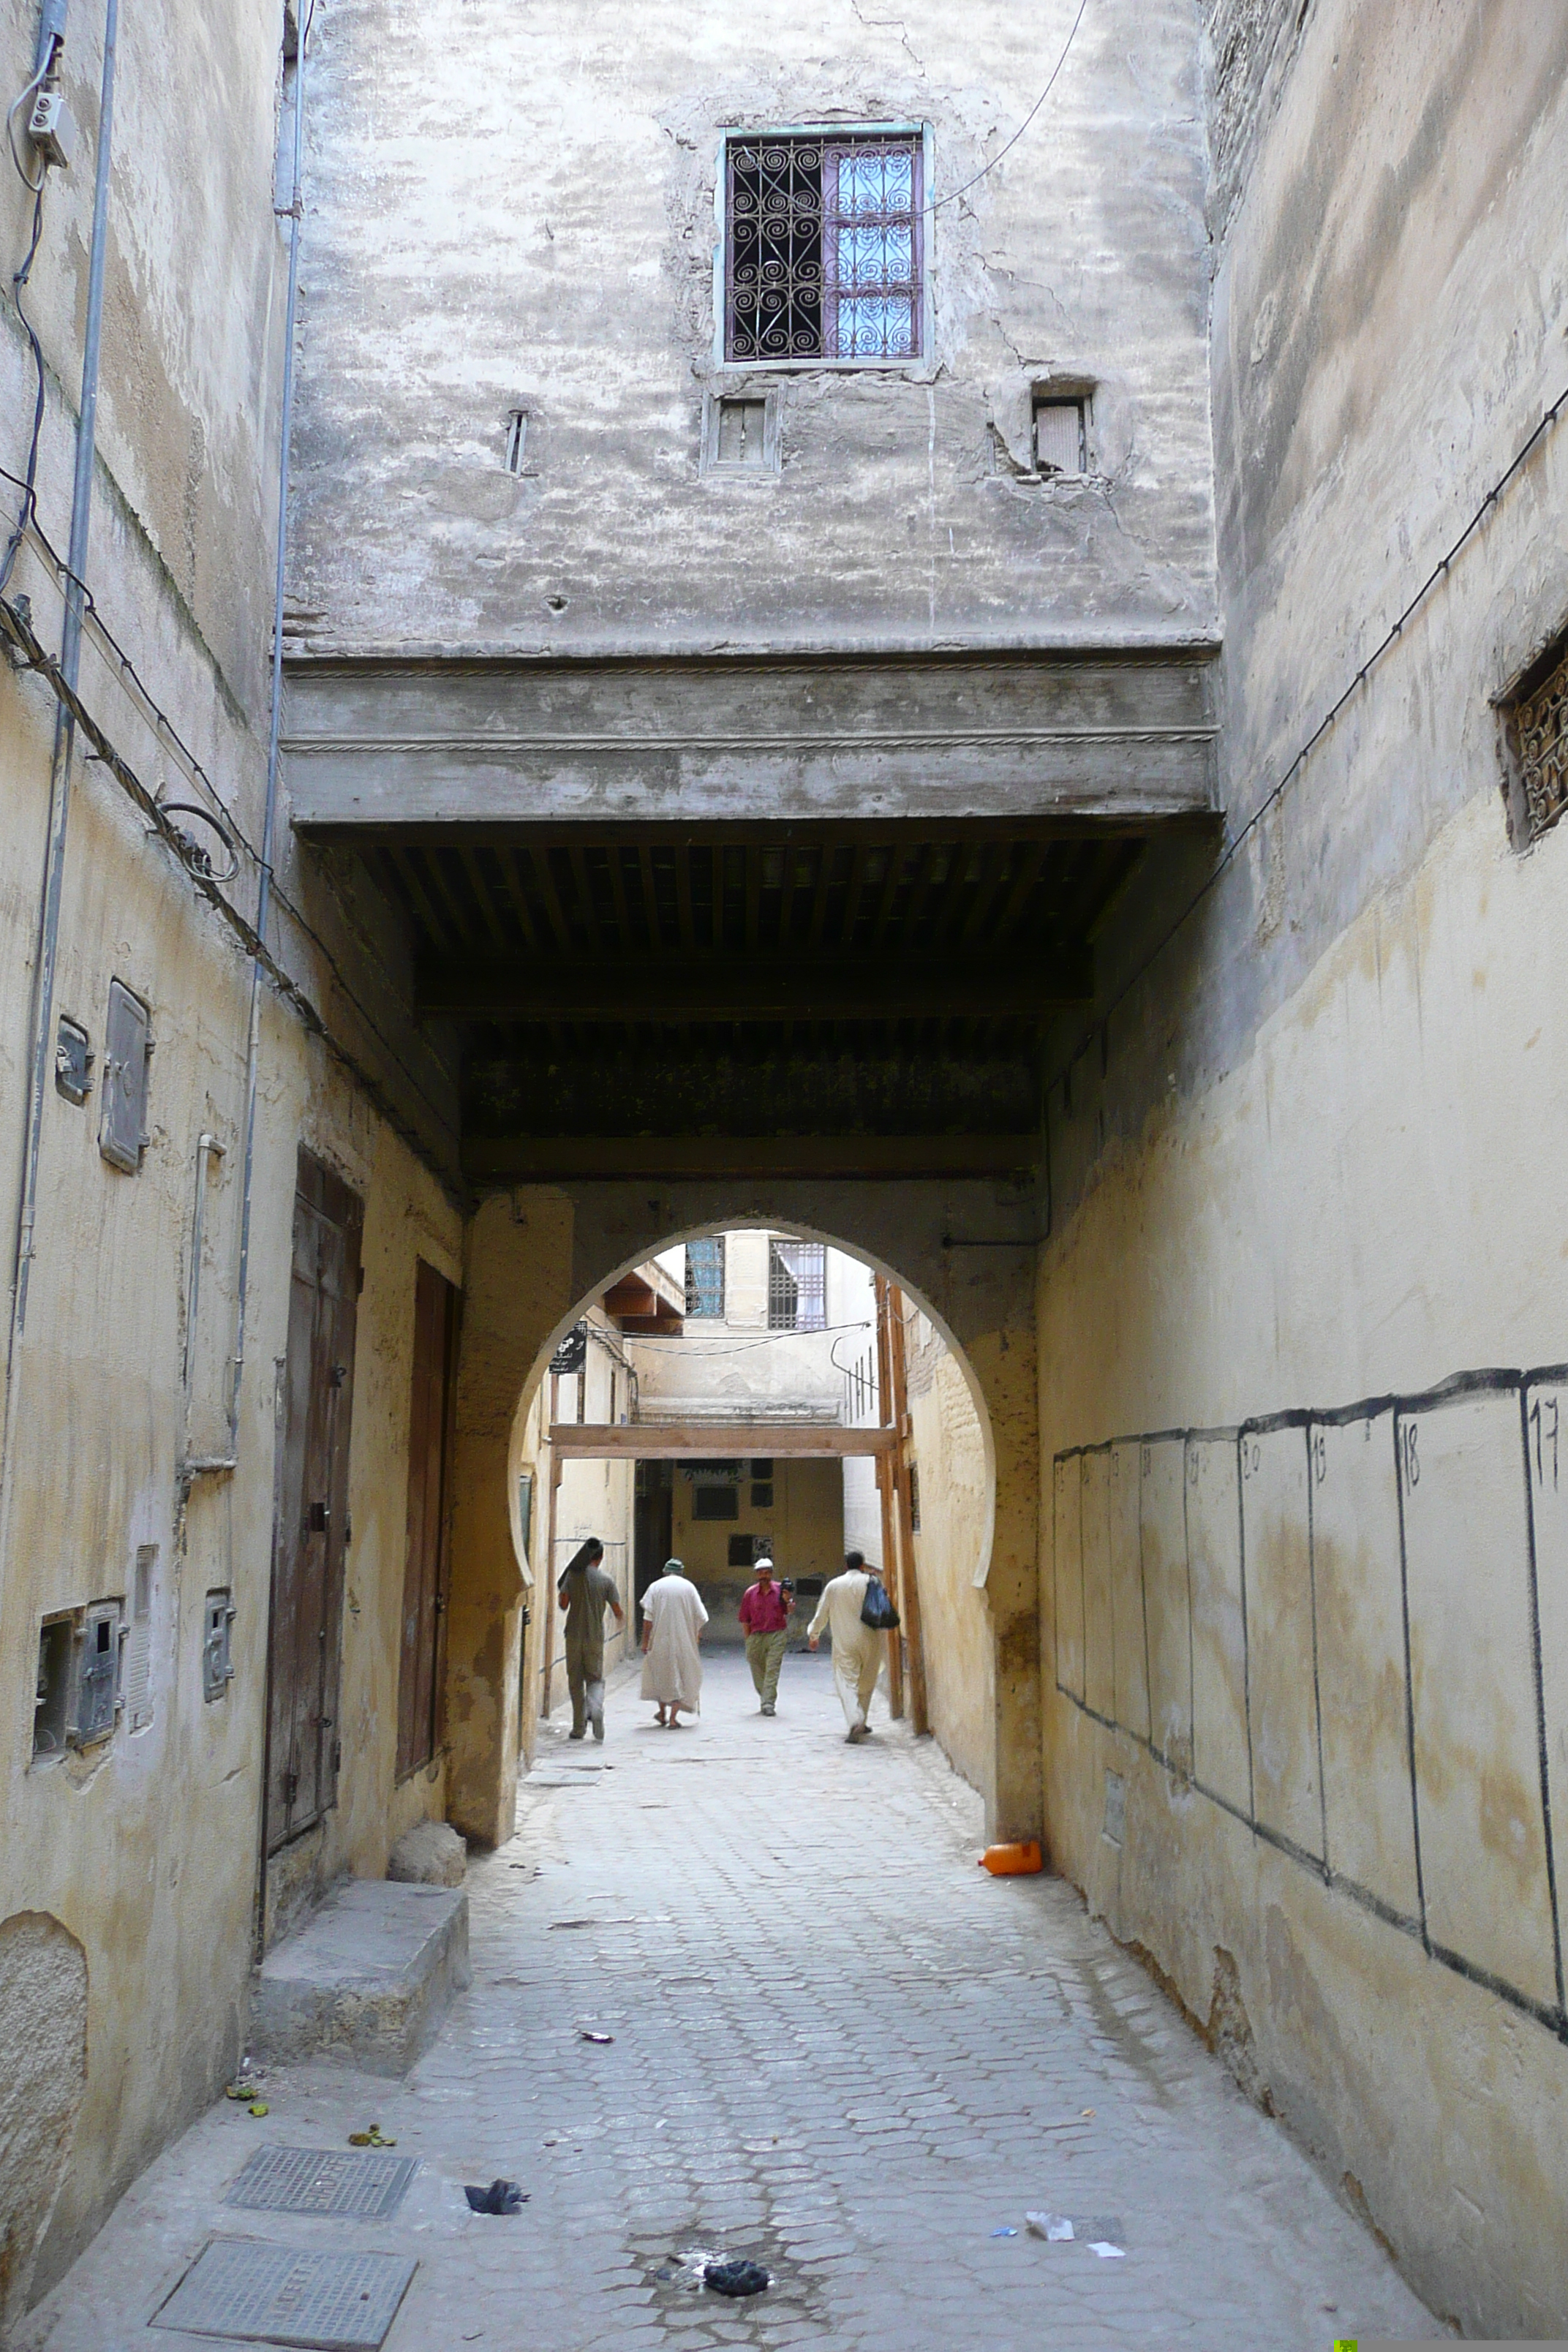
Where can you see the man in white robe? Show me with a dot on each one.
(858, 1649)
(673, 1618)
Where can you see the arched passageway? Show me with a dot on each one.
(534, 1255)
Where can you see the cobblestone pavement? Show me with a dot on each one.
(837, 2047)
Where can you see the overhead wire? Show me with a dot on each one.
(169, 737)
(953, 194)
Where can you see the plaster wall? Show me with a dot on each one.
(137, 1858)
(1303, 1610)
(805, 1529)
(515, 210)
(948, 1449)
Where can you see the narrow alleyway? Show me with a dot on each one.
(837, 2047)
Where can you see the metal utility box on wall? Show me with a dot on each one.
(217, 1662)
(77, 1692)
(127, 1051)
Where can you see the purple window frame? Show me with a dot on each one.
(787, 274)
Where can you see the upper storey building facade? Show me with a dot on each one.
(754, 536)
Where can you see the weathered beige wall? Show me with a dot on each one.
(804, 1527)
(143, 1851)
(948, 1449)
(1306, 1169)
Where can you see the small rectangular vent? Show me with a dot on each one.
(516, 439)
(741, 426)
(715, 1503)
(138, 1639)
(1060, 437)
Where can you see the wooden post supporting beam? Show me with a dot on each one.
(885, 1496)
(548, 1591)
(899, 1468)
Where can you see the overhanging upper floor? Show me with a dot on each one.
(1120, 736)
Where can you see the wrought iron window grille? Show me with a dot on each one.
(824, 248)
(797, 1285)
(1536, 720)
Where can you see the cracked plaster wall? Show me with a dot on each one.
(515, 208)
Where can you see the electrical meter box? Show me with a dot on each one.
(217, 1663)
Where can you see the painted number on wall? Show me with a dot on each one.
(1542, 1446)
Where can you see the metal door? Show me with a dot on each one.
(311, 1533)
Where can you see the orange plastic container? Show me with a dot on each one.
(1013, 1860)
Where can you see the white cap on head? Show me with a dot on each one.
(763, 1559)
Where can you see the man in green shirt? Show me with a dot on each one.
(584, 1592)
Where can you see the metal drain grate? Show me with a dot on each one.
(365, 2187)
(276, 2295)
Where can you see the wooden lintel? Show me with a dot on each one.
(755, 988)
(546, 1159)
(708, 1441)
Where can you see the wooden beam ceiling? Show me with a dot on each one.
(546, 1159)
(764, 987)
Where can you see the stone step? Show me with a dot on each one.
(367, 1980)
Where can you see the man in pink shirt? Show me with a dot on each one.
(765, 1610)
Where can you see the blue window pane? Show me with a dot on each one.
(881, 182)
(873, 327)
(876, 257)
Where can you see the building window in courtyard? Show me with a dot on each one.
(705, 1276)
(823, 247)
(797, 1285)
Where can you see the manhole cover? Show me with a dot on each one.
(323, 2181)
(276, 2295)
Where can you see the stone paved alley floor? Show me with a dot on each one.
(838, 2047)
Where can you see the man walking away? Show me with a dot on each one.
(586, 1590)
(672, 1622)
(765, 1610)
(857, 1651)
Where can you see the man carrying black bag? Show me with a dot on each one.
(856, 1611)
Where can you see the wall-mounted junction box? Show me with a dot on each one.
(217, 1661)
(77, 1694)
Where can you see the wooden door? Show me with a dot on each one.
(425, 1567)
(311, 1531)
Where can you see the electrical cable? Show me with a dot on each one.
(953, 194)
(1277, 791)
(27, 483)
(746, 1346)
(17, 628)
(168, 734)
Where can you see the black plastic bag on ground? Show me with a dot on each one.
(877, 1610)
(500, 2196)
(736, 2278)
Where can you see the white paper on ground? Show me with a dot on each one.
(1106, 2252)
(1054, 2227)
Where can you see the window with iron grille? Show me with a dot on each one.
(824, 251)
(715, 1502)
(797, 1285)
(705, 1276)
(1536, 722)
